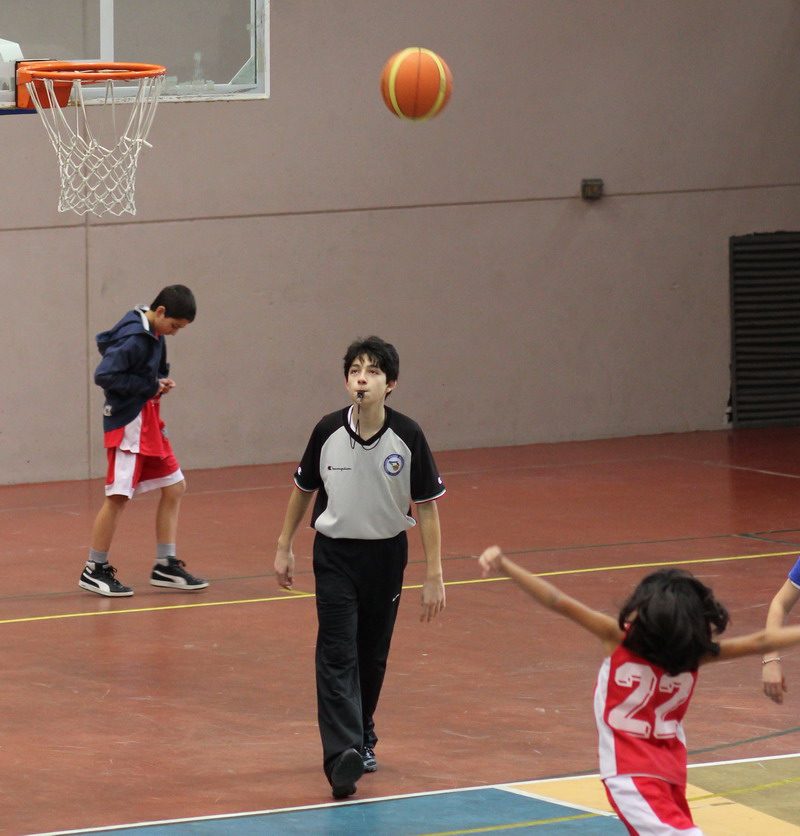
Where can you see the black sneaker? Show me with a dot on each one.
(347, 769)
(99, 578)
(370, 761)
(174, 576)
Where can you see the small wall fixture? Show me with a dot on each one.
(592, 189)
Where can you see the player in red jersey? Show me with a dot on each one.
(663, 633)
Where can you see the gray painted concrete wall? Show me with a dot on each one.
(522, 314)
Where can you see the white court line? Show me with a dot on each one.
(516, 790)
(511, 787)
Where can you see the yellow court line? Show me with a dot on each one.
(497, 827)
(741, 790)
(619, 567)
(291, 594)
(157, 609)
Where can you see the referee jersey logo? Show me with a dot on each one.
(393, 464)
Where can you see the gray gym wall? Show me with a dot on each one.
(522, 314)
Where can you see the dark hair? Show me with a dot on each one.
(178, 302)
(382, 354)
(671, 618)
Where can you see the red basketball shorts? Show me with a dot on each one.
(650, 806)
(132, 473)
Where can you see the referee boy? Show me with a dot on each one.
(366, 463)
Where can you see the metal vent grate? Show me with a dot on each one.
(765, 329)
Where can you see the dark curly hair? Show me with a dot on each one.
(671, 618)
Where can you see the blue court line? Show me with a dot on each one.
(451, 813)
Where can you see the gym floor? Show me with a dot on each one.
(197, 711)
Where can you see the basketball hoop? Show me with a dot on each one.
(98, 167)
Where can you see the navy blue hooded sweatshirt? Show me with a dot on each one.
(134, 358)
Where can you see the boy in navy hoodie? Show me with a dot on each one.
(134, 374)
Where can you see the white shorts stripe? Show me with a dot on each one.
(162, 482)
(124, 471)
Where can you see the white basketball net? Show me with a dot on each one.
(96, 177)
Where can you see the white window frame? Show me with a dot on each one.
(172, 91)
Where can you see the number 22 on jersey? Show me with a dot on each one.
(636, 715)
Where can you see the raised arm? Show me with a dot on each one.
(284, 557)
(762, 641)
(599, 624)
(433, 596)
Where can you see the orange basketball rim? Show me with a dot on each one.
(64, 73)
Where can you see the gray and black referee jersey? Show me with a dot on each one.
(365, 488)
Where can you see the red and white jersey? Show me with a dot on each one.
(639, 710)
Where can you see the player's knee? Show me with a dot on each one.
(175, 491)
(117, 501)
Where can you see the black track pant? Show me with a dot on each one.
(358, 585)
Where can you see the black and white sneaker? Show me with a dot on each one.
(370, 761)
(174, 576)
(99, 578)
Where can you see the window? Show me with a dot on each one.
(212, 49)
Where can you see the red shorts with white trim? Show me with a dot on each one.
(650, 806)
(132, 473)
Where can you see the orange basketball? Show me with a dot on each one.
(416, 84)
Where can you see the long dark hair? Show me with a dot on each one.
(670, 620)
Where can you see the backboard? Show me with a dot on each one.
(212, 49)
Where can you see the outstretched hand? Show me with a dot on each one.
(491, 561)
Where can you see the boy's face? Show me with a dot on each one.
(166, 325)
(365, 377)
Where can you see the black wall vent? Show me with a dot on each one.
(765, 329)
